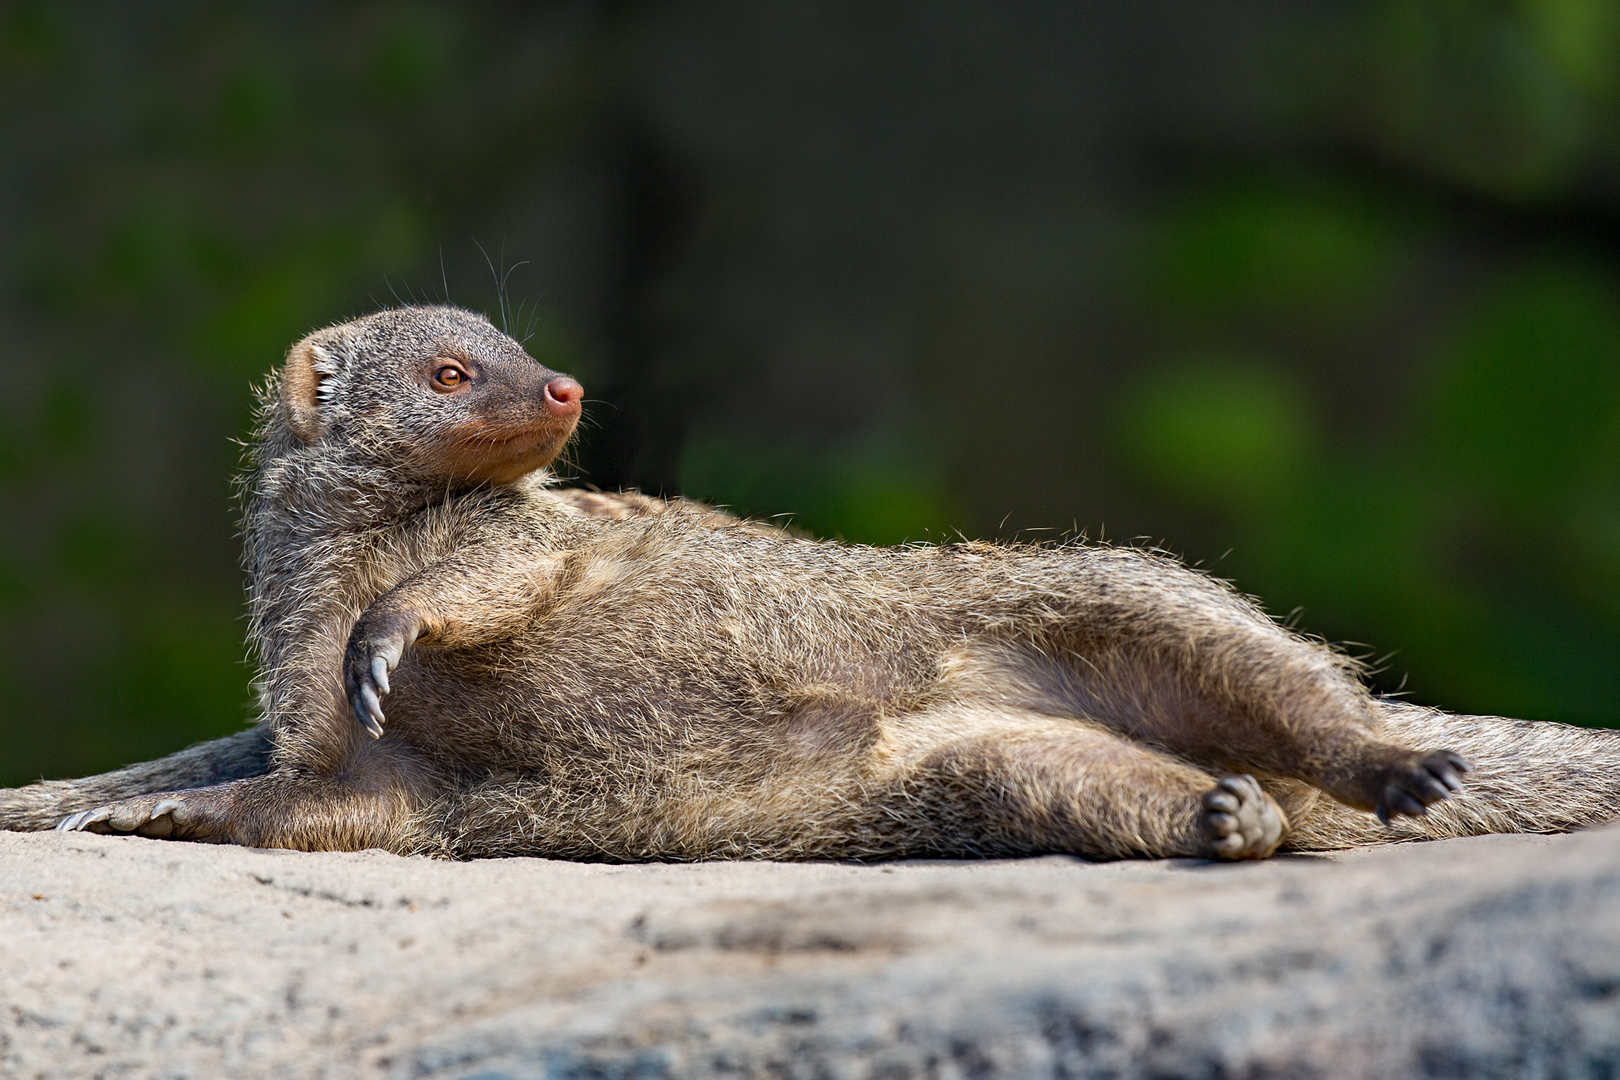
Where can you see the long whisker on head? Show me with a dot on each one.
(495, 276)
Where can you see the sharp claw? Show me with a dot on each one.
(71, 822)
(1430, 790)
(1406, 804)
(1222, 802)
(373, 704)
(167, 806)
(84, 819)
(1448, 769)
(379, 673)
(368, 712)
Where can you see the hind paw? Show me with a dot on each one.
(1411, 787)
(168, 816)
(1240, 821)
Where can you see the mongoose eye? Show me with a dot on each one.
(449, 377)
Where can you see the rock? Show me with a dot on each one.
(123, 957)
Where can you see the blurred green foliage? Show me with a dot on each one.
(1480, 533)
(1223, 430)
(882, 489)
(1271, 249)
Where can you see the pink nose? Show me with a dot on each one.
(563, 396)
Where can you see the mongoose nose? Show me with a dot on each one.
(563, 396)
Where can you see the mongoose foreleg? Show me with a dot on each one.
(365, 806)
(484, 593)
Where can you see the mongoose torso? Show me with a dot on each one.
(458, 658)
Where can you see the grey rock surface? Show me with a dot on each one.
(123, 957)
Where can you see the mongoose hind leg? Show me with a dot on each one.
(1180, 661)
(1524, 776)
(1026, 783)
(951, 781)
(1396, 782)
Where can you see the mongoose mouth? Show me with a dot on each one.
(490, 452)
(547, 444)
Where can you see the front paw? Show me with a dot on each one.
(1411, 786)
(175, 815)
(375, 649)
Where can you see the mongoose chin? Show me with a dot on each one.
(458, 658)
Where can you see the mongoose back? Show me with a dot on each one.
(456, 658)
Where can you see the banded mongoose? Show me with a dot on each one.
(457, 658)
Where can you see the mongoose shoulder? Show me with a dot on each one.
(458, 658)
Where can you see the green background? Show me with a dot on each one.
(1322, 296)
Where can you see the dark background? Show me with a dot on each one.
(1323, 296)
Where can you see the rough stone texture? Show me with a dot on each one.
(123, 957)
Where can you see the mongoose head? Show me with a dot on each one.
(436, 392)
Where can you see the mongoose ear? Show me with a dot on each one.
(308, 364)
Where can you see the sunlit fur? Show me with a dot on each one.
(617, 677)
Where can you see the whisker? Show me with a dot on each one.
(494, 276)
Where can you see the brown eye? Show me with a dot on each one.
(449, 377)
